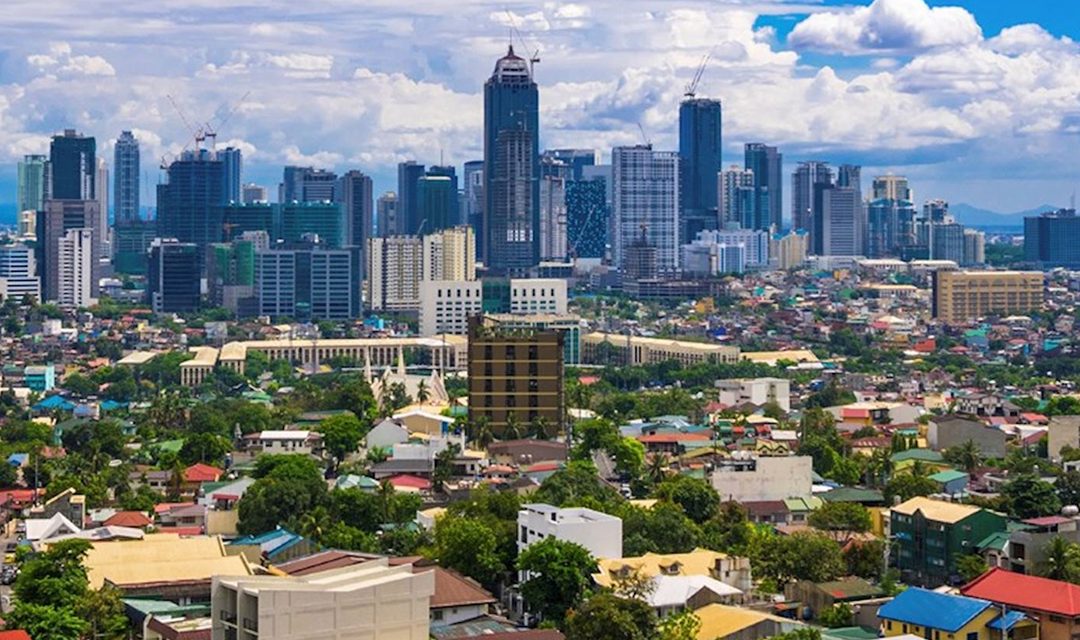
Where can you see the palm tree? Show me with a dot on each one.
(481, 432)
(658, 467)
(422, 393)
(968, 456)
(1062, 561)
(540, 428)
(314, 523)
(512, 430)
(385, 494)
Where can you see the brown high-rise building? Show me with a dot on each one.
(56, 219)
(515, 372)
(961, 296)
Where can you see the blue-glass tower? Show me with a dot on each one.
(511, 167)
(700, 162)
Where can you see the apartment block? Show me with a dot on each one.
(962, 296)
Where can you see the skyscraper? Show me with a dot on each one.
(1052, 239)
(473, 178)
(850, 175)
(126, 179)
(253, 193)
(355, 194)
(587, 216)
(73, 165)
(700, 160)
(33, 182)
(300, 219)
(394, 269)
(733, 182)
(386, 215)
(804, 182)
(190, 202)
(512, 170)
(232, 165)
(308, 282)
(172, 285)
(891, 187)
(18, 273)
(449, 171)
(56, 218)
(408, 219)
(646, 203)
(435, 200)
(307, 184)
(767, 165)
(75, 269)
(553, 178)
(842, 225)
(576, 159)
(102, 228)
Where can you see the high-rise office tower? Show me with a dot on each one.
(974, 248)
(75, 269)
(239, 218)
(850, 175)
(307, 184)
(882, 228)
(56, 218)
(189, 204)
(102, 227)
(473, 178)
(131, 244)
(308, 282)
(409, 174)
(33, 182)
(322, 219)
(232, 163)
(553, 177)
(1052, 239)
(646, 203)
(230, 272)
(172, 284)
(126, 170)
(73, 166)
(386, 215)
(575, 159)
(435, 201)
(936, 211)
(767, 165)
(450, 172)
(732, 184)
(805, 193)
(890, 187)
(842, 226)
(587, 215)
(700, 160)
(18, 273)
(253, 193)
(512, 170)
(355, 194)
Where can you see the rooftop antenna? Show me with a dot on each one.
(691, 87)
(534, 57)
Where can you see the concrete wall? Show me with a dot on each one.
(774, 478)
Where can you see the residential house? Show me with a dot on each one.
(386, 434)
(285, 441)
(929, 535)
(731, 570)
(726, 622)
(1026, 548)
(272, 547)
(37, 529)
(423, 421)
(1063, 431)
(756, 391)
(527, 451)
(951, 481)
(755, 478)
(1055, 604)
(821, 596)
(599, 533)
(954, 430)
(69, 503)
(934, 615)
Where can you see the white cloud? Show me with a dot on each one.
(60, 61)
(886, 25)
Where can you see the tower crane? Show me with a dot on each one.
(534, 57)
(691, 87)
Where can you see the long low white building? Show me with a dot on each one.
(764, 478)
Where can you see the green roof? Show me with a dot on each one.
(852, 589)
(849, 633)
(148, 606)
(926, 455)
(997, 540)
(853, 494)
(948, 476)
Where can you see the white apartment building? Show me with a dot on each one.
(445, 306)
(18, 273)
(285, 441)
(553, 233)
(749, 478)
(645, 197)
(75, 268)
(600, 533)
(450, 254)
(394, 265)
(730, 183)
(757, 391)
(370, 601)
(538, 295)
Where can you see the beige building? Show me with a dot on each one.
(731, 570)
(394, 266)
(450, 254)
(637, 350)
(370, 601)
(789, 251)
(961, 296)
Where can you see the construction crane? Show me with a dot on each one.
(205, 132)
(210, 131)
(691, 87)
(644, 136)
(534, 57)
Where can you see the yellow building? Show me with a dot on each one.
(160, 559)
(720, 622)
(941, 616)
(638, 350)
(961, 296)
(731, 570)
(772, 357)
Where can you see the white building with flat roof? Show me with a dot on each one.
(445, 306)
(370, 601)
(764, 478)
(757, 391)
(600, 533)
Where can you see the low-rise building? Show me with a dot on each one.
(599, 533)
(1055, 604)
(731, 570)
(928, 536)
(285, 441)
(751, 478)
(757, 391)
(954, 430)
(930, 614)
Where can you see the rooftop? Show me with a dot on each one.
(932, 609)
(1026, 592)
(936, 510)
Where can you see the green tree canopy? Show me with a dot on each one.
(696, 497)
(470, 547)
(559, 574)
(287, 486)
(1028, 496)
(605, 616)
(341, 435)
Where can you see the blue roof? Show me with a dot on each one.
(18, 459)
(1011, 618)
(54, 402)
(931, 609)
(113, 405)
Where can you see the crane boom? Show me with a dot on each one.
(691, 87)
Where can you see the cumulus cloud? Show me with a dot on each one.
(886, 25)
(60, 60)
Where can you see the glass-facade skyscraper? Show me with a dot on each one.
(408, 218)
(73, 165)
(33, 182)
(512, 169)
(700, 150)
(126, 179)
(1053, 239)
(231, 163)
(190, 202)
(587, 216)
(766, 163)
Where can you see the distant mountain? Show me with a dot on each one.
(972, 216)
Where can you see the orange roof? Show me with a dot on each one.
(16, 634)
(661, 438)
(133, 519)
(1026, 592)
(202, 473)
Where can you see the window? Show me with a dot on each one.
(974, 635)
(436, 614)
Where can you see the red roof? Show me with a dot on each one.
(1026, 592)
(1047, 521)
(134, 519)
(854, 413)
(202, 473)
(17, 634)
(165, 507)
(182, 531)
(406, 480)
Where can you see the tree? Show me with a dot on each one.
(204, 447)
(573, 484)
(729, 530)
(865, 558)
(8, 475)
(970, 566)
(679, 626)
(842, 519)
(44, 622)
(80, 385)
(469, 547)
(838, 615)
(287, 486)
(481, 433)
(967, 456)
(1061, 560)
(105, 611)
(905, 486)
(662, 529)
(803, 555)
(341, 435)
(1028, 496)
(608, 617)
(1068, 488)
(558, 576)
(696, 497)
(422, 392)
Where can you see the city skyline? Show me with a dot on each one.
(932, 93)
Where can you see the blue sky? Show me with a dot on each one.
(976, 101)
